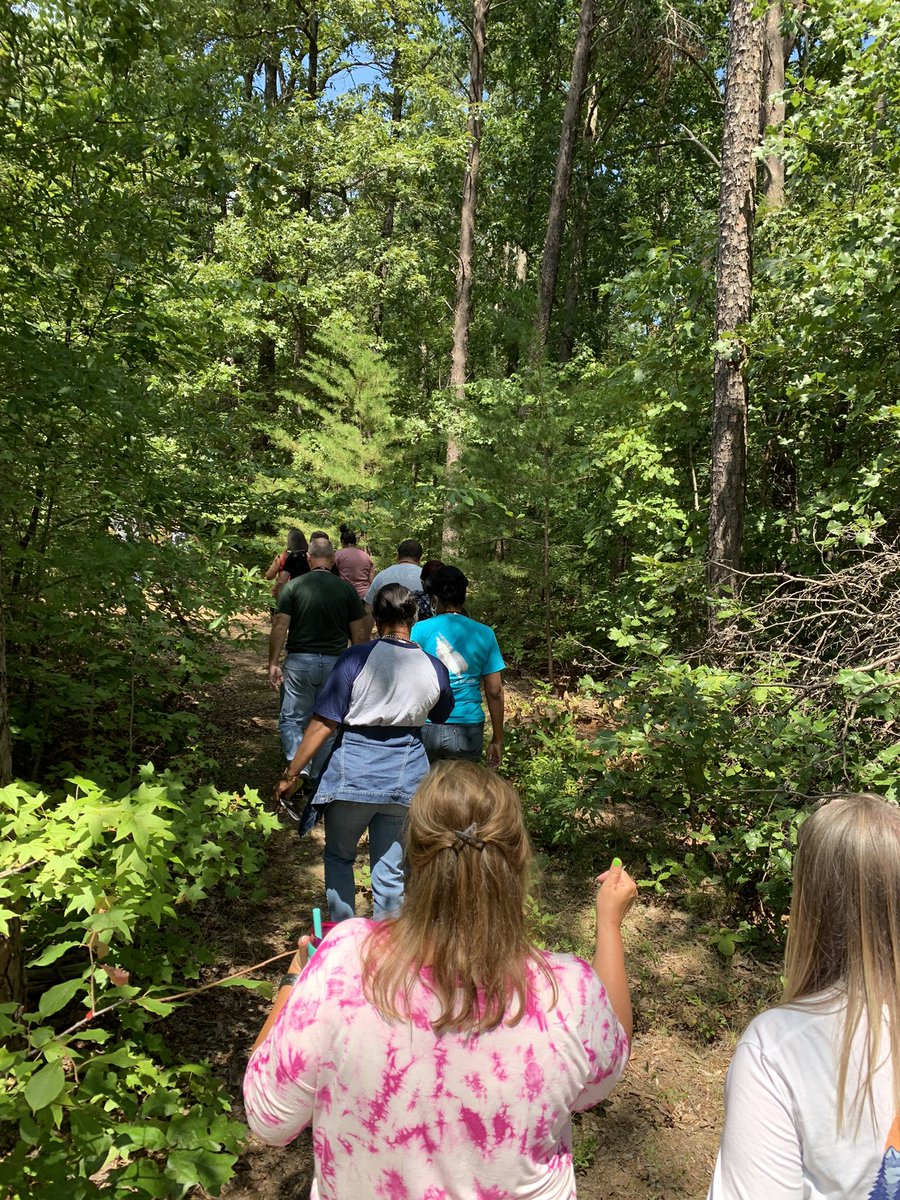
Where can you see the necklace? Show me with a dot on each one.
(395, 637)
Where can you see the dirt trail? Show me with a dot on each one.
(655, 1139)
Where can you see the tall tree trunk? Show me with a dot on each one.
(301, 332)
(734, 291)
(776, 52)
(462, 314)
(270, 83)
(579, 236)
(556, 218)
(266, 353)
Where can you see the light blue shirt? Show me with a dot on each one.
(469, 651)
(409, 574)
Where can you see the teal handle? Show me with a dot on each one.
(317, 931)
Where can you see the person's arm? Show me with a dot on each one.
(317, 733)
(275, 567)
(359, 631)
(280, 624)
(615, 896)
(493, 694)
(298, 962)
(282, 1077)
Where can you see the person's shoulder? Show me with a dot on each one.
(570, 967)
(354, 929)
(787, 1026)
(358, 652)
(342, 946)
(291, 588)
(578, 988)
(425, 627)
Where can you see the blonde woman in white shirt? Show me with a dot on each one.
(812, 1100)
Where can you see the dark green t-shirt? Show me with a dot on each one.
(321, 607)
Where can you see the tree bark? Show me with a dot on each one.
(556, 217)
(579, 237)
(462, 313)
(734, 291)
(776, 52)
(305, 198)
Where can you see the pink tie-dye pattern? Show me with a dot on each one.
(392, 1186)
(400, 1114)
(501, 1125)
(474, 1127)
(534, 1076)
(404, 1136)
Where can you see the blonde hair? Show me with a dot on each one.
(844, 932)
(463, 915)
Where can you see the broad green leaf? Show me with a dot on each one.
(206, 1167)
(52, 953)
(44, 1086)
(59, 996)
(155, 1006)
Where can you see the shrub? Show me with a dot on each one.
(105, 883)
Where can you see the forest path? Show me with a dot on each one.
(655, 1139)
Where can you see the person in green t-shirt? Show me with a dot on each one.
(316, 615)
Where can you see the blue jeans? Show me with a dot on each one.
(304, 678)
(345, 823)
(454, 741)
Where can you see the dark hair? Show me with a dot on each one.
(449, 585)
(429, 570)
(348, 537)
(394, 604)
(410, 549)
(319, 533)
(296, 542)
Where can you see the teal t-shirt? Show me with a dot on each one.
(468, 650)
(321, 607)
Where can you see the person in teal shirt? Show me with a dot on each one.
(469, 651)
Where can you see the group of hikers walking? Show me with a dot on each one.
(437, 1052)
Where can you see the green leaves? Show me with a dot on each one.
(98, 1099)
(44, 1086)
(59, 996)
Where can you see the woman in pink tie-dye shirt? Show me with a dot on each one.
(439, 1055)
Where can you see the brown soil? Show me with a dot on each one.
(655, 1139)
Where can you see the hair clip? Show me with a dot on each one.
(466, 837)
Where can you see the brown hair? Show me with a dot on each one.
(463, 915)
(844, 932)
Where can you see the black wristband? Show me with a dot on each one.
(288, 980)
